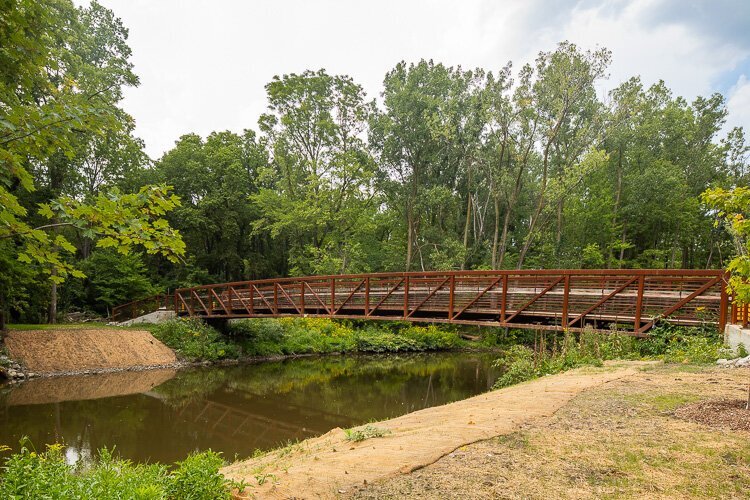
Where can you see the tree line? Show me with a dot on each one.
(530, 166)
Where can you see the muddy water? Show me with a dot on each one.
(162, 415)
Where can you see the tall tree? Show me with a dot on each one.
(318, 192)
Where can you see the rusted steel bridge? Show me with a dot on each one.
(627, 301)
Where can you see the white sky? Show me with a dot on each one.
(203, 64)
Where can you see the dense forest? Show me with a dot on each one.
(518, 166)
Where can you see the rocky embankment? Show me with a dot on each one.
(13, 371)
(734, 363)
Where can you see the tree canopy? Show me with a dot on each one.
(447, 168)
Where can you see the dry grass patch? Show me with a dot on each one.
(618, 440)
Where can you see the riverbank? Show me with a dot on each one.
(340, 462)
(81, 351)
(643, 436)
(93, 348)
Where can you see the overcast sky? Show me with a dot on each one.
(203, 64)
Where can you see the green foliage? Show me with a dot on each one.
(518, 363)
(368, 431)
(61, 80)
(682, 345)
(112, 279)
(552, 354)
(194, 340)
(733, 209)
(742, 351)
(457, 169)
(198, 478)
(28, 474)
(267, 337)
(592, 257)
(317, 193)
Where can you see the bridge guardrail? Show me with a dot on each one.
(140, 307)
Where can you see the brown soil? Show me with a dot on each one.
(617, 440)
(329, 466)
(77, 387)
(68, 350)
(727, 413)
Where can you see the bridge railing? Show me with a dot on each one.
(629, 301)
(140, 307)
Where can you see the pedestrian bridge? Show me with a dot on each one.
(626, 301)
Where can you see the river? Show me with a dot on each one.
(162, 415)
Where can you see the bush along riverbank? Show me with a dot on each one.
(28, 474)
(536, 355)
(193, 340)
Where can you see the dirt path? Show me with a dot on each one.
(330, 465)
(72, 350)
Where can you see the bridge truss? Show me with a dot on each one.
(627, 301)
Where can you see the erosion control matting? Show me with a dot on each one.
(330, 465)
(71, 350)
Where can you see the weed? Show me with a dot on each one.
(358, 434)
(742, 351)
(262, 478)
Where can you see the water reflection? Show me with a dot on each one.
(160, 416)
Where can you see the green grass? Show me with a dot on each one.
(58, 326)
(662, 402)
(28, 474)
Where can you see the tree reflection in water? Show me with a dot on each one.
(161, 416)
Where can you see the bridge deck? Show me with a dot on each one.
(629, 301)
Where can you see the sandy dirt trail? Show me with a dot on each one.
(329, 466)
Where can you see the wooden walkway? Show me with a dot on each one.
(627, 301)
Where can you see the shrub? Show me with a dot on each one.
(666, 342)
(518, 363)
(194, 340)
(263, 337)
(197, 477)
(682, 345)
(28, 474)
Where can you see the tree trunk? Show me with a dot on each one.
(3, 314)
(468, 211)
(411, 221)
(558, 232)
(532, 224)
(466, 227)
(409, 235)
(52, 318)
(496, 233)
(539, 204)
(543, 189)
(618, 195)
